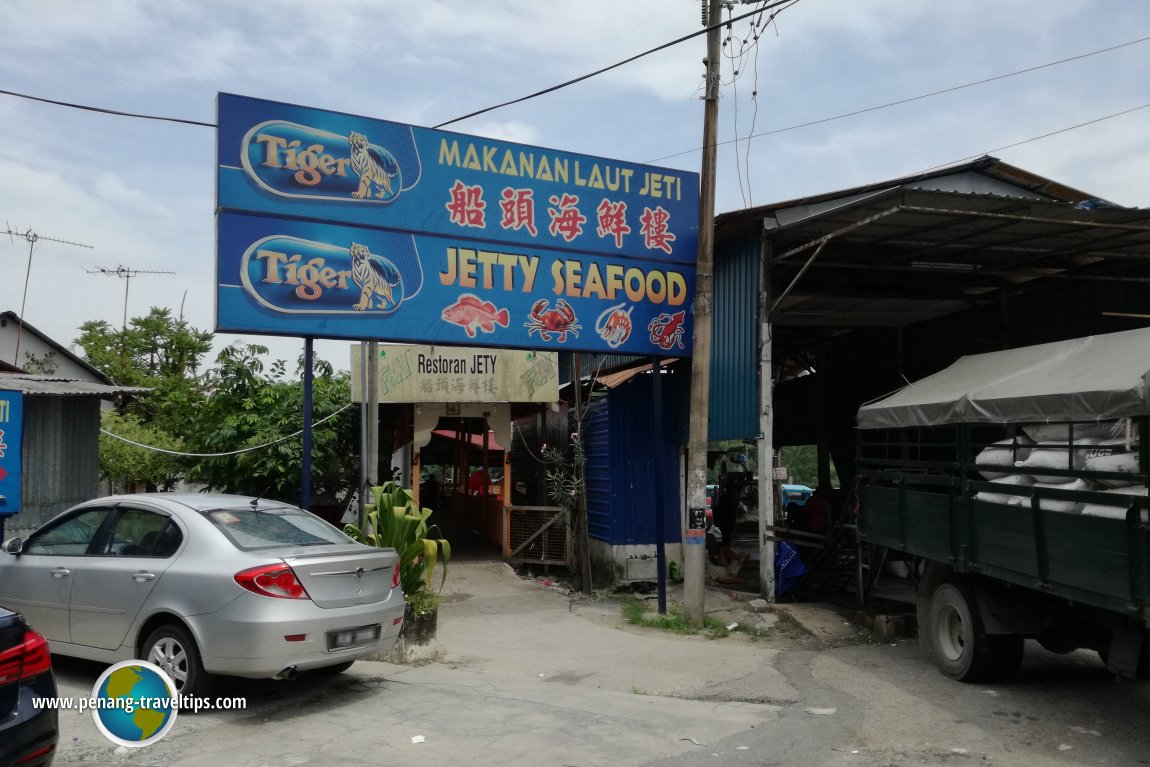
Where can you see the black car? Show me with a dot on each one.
(28, 733)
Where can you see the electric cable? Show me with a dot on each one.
(199, 123)
(919, 97)
(1036, 138)
(102, 110)
(155, 449)
(616, 65)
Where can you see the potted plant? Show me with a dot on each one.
(393, 520)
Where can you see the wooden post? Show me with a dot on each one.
(694, 550)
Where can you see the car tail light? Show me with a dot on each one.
(37, 754)
(272, 581)
(395, 577)
(28, 659)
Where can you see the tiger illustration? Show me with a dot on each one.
(375, 276)
(375, 169)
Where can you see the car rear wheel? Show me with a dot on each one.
(172, 648)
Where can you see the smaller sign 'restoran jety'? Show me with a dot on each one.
(450, 374)
(337, 226)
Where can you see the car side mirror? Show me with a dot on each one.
(14, 546)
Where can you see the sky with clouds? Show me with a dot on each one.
(142, 192)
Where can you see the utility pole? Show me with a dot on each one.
(31, 238)
(126, 274)
(694, 549)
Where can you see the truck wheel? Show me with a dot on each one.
(959, 644)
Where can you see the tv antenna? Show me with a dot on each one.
(31, 237)
(125, 273)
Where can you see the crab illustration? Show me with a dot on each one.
(545, 321)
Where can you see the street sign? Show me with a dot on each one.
(11, 448)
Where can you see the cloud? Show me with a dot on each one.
(512, 130)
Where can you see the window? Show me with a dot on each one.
(68, 537)
(249, 529)
(140, 533)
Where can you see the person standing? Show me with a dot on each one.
(727, 513)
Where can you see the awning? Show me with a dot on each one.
(475, 439)
(1098, 377)
(611, 380)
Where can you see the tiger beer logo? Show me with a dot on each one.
(292, 160)
(299, 276)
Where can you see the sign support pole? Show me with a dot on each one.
(362, 434)
(660, 468)
(308, 383)
(373, 414)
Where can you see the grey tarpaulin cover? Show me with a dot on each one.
(1084, 379)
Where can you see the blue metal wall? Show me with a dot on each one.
(622, 460)
(734, 394)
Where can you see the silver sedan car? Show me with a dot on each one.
(203, 585)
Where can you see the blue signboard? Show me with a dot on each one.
(394, 232)
(11, 443)
(335, 281)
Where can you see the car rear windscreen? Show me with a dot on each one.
(252, 529)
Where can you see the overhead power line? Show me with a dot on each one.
(1036, 138)
(102, 110)
(155, 449)
(199, 123)
(617, 64)
(909, 99)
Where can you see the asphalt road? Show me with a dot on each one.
(528, 677)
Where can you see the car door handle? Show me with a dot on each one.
(143, 575)
(60, 572)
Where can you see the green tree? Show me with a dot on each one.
(128, 465)
(240, 402)
(162, 354)
(154, 346)
(156, 351)
(802, 464)
(248, 407)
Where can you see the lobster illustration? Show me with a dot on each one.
(545, 321)
(667, 330)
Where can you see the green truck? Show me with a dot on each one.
(1016, 483)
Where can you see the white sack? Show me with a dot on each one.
(1060, 432)
(1114, 512)
(1020, 480)
(1002, 453)
(1054, 455)
(1113, 455)
(1051, 504)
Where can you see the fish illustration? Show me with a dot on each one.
(470, 313)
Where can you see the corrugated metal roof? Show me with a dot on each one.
(728, 224)
(34, 386)
(899, 253)
(611, 380)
